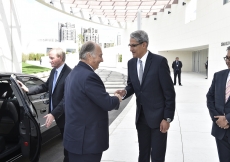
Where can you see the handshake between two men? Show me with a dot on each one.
(120, 94)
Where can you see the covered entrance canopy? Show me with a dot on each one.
(109, 12)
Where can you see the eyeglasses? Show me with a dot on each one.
(227, 58)
(134, 45)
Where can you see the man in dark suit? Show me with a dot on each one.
(218, 104)
(149, 78)
(55, 86)
(87, 104)
(177, 65)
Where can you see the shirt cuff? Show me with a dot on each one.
(124, 95)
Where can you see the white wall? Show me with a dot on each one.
(10, 36)
(211, 27)
(185, 57)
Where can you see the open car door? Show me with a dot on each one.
(30, 134)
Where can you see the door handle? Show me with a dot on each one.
(43, 111)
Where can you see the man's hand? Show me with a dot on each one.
(122, 93)
(226, 127)
(118, 96)
(164, 126)
(49, 120)
(24, 88)
(221, 121)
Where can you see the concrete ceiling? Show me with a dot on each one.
(120, 10)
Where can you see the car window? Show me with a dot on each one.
(30, 82)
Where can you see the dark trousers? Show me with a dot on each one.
(177, 72)
(84, 157)
(66, 157)
(151, 141)
(223, 148)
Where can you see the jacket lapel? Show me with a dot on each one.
(51, 80)
(147, 65)
(59, 77)
(135, 70)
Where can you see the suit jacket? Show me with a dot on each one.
(156, 94)
(57, 95)
(86, 110)
(216, 102)
(175, 67)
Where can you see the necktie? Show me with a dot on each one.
(54, 82)
(140, 71)
(227, 91)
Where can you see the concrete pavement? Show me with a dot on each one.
(189, 137)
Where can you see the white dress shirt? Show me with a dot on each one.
(59, 70)
(143, 59)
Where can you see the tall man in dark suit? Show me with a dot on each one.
(86, 108)
(149, 78)
(218, 104)
(55, 86)
(177, 65)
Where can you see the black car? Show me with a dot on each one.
(22, 126)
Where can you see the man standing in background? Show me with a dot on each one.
(55, 86)
(206, 67)
(177, 65)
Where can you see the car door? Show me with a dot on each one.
(30, 134)
(40, 101)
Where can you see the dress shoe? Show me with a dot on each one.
(180, 84)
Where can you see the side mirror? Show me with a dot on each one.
(45, 95)
(42, 96)
(45, 98)
(46, 102)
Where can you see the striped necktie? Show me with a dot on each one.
(227, 91)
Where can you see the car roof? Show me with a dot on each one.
(6, 74)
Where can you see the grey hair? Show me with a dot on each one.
(88, 47)
(140, 36)
(59, 53)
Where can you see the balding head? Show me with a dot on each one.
(91, 54)
(87, 48)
